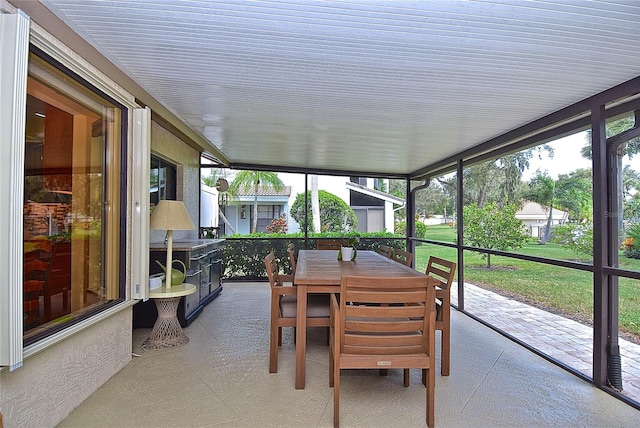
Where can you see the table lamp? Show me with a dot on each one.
(170, 216)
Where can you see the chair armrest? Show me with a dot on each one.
(440, 293)
(334, 326)
(334, 310)
(286, 278)
(334, 303)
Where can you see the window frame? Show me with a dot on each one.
(19, 38)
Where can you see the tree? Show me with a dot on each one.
(253, 179)
(577, 237)
(335, 214)
(212, 181)
(493, 227)
(570, 192)
(628, 148)
(498, 180)
(575, 194)
(398, 188)
(315, 204)
(542, 189)
(434, 200)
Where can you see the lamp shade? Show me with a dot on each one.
(170, 215)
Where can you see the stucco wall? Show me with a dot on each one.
(52, 383)
(169, 147)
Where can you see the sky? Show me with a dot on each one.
(566, 157)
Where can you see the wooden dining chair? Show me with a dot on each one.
(284, 308)
(58, 281)
(394, 327)
(331, 244)
(444, 271)
(35, 275)
(291, 251)
(401, 256)
(385, 250)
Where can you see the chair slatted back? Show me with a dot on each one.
(276, 279)
(391, 316)
(392, 326)
(444, 271)
(404, 257)
(385, 250)
(331, 244)
(284, 308)
(34, 277)
(291, 250)
(441, 269)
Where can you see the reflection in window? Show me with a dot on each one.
(71, 134)
(162, 182)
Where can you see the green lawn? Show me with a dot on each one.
(560, 290)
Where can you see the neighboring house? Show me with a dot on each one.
(271, 204)
(208, 206)
(374, 209)
(535, 216)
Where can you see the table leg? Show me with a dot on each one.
(166, 332)
(301, 335)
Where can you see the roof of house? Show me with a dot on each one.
(533, 210)
(375, 193)
(264, 191)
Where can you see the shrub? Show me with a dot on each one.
(335, 214)
(278, 225)
(421, 230)
(244, 254)
(631, 245)
(577, 237)
(493, 227)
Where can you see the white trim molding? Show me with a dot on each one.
(14, 51)
(140, 173)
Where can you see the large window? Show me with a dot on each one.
(266, 215)
(71, 201)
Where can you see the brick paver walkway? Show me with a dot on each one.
(565, 340)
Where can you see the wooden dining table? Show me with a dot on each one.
(320, 271)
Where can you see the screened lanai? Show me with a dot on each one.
(434, 93)
(423, 88)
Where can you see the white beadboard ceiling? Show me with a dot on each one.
(377, 86)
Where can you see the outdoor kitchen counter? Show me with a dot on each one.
(185, 244)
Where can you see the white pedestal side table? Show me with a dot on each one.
(167, 332)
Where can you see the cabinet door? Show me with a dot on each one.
(205, 276)
(217, 269)
(192, 301)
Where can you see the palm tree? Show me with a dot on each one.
(248, 179)
(315, 204)
(542, 189)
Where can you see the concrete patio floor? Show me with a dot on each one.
(221, 379)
